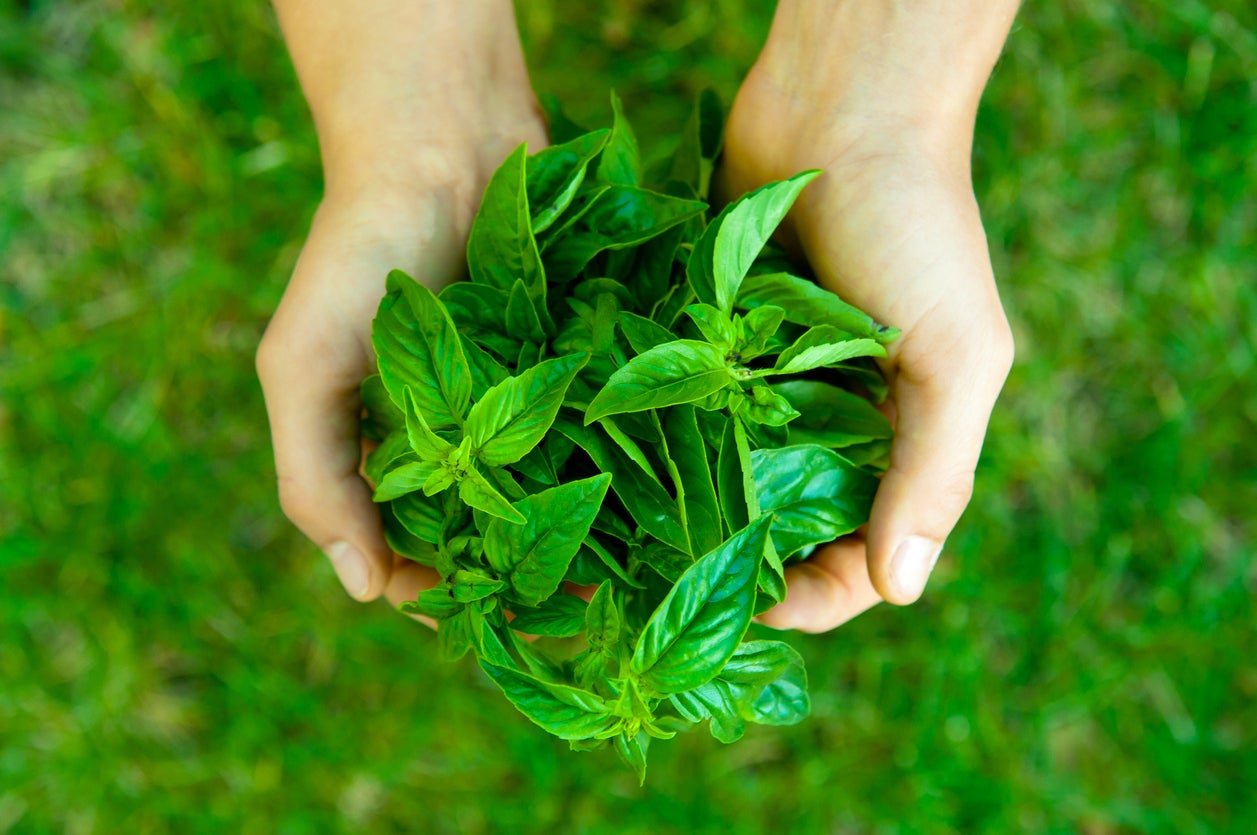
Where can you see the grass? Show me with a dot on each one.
(174, 657)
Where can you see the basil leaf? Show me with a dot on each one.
(535, 555)
(437, 603)
(664, 560)
(714, 324)
(806, 303)
(688, 452)
(426, 444)
(621, 216)
(403, 542)
(501, 247)
(418, 347)
(514, 415)
(562, 128)
(701, 138)
(633, 751)
(405, 479)
(522, 321)
(699, 624)
(643, 334)
(759, 327)
(476, 491)
(453, 635)
(555, 174)
(814, 495)
(486, 372)
(646, 501)
(629, 447)
(420, 515)
(784, 701)
(564, 711)
(621, 162)
(830, 416)
(821, 346)
(382, 416)
(676, 372)
(765, 406)
(730, 478)
(562, 616)
(467, 586)
(763, 682)
(476, 309)
(714, 701)
(395, 448)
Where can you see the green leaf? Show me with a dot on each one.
(765, 406)
(556, 173)
(535, 555)
(715, 325)
(696, 154)
(759, 327)
(476, 491)
(821, 346)
(629, 447)
(633, 751)
(763, 682)
(501, 248)
(486, 372)
(805, 303)
(405, 479)
(814, 495)
(420, 515)
(729, 477)
(426, 444)
(689, 454)
(417, 346)
(522, 321)
(742, 232)
(437, 603)
(562, 616)
(564, 711)
(643, 334)
(620, 216)
(699, 624)
(562, 128)
(646, 501)
(403, 542)
(454, 635)
(395, 449)
(621, 162)
(603, 623)
(830, 416)
(676, 372)
(514, 415)
(467, 586)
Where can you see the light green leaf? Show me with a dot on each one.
(405, 479)
(514, 415)
(476, 491)
(714, 324)
(621, 161)
(426, 444)
(642, 333)
(676, 372)
(501, 248)
(806, 303)
(821, 346)
(556, 173)
(813, 494)
(564, 711)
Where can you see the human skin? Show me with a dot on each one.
(416, 103)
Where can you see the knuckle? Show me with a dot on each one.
(298, 502)
(956, 490)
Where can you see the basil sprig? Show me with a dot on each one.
(629, 394)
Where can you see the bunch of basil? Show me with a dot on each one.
(630, 395)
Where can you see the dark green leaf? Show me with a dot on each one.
(514, 415)
(646, 501)
(418, 347)
(759, 327)
(562, 616)
(436, 603)
(403, 542)
(522, 321)
(454, 635)
(676, 372)
(699, 624)
(555, 174)
(382, 415)
(621, 162)
(486, 372)
(536, 554)
(730, 479)
(689, 453)
(395, 450)
(831, 417)
(805, 303)
(476, 491)
(628, 446)
(562, 128)
(695, 156)
(501, 248)
(420, 514)
(643, 334)
(814, 494)
(564, 711)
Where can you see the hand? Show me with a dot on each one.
(893, 227)
(405, 164)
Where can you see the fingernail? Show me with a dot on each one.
(351, 568)
(913, 562)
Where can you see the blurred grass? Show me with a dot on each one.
(173, 657)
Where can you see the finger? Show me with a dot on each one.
(943, 393)
(826, 590)
(406, 581)
(310, 375)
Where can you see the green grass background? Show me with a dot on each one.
(175, 658)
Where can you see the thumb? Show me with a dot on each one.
(944, 388)
(310, 378)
